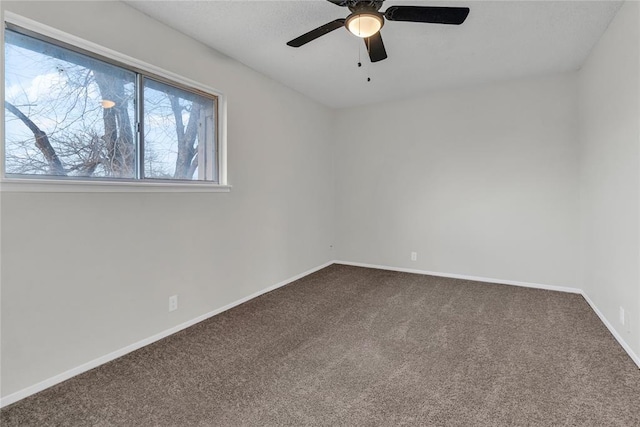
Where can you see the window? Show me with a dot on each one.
(73, 115)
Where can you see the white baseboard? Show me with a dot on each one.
(615, 333)
(28, 391)
(463, 277)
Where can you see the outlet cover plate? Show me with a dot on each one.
(173, 303)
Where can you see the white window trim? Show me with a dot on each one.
(36, 185)
(111, 186)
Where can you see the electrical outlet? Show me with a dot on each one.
(414, 256)
(173, 303)
(621, 316)
(627, 323)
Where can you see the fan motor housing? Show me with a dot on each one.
(358, 5)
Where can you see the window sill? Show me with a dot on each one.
(16, 185)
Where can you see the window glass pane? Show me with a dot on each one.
(66, 114)
(178, 133)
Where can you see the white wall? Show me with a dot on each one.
(87, 274)
(610, 172)
(478, 181)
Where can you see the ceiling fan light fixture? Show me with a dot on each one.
(364, 24)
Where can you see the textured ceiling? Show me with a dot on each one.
(499, 40)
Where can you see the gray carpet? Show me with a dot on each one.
(363, 347)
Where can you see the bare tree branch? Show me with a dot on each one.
(42, 141)
(194, 166)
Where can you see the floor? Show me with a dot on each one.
(364, 347)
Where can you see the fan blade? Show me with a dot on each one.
(428, 14)
(375, 47)
(339, 2)
(318, 32)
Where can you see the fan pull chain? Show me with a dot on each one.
(360, 61)
(368, 45)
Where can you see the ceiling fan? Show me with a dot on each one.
(366, 20)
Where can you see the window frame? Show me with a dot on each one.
(37, 183)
